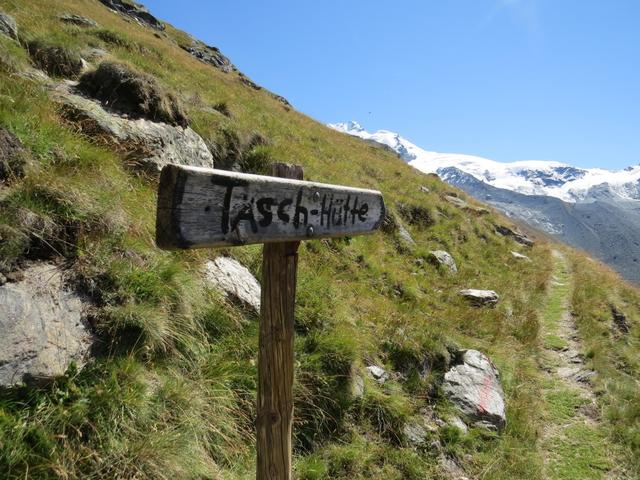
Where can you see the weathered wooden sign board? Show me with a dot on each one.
(199, 207)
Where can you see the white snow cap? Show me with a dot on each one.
(531, 177)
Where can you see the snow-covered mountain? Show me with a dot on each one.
(594, 209)
(534, 177)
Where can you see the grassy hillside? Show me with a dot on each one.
(171, 393)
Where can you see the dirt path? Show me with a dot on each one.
(574, 442)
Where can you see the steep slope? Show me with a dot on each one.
(169, 391)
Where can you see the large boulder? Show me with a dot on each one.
(474, 387)
(235, 281)
(443, 259)
(42, 328)
(480, 298)
(8, 26)
(135, 11)
(148, 144)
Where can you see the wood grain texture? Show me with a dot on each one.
(200, 207)
(275, 360)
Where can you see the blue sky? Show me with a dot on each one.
(505, 79)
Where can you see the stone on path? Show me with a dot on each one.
(234, 280)
(42, 327)
(474, 388)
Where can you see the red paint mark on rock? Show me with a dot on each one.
(485, 392)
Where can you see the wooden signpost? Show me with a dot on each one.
(200, 207)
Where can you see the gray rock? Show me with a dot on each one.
(480, 298)
(456, 421)
(357, 386)
(77, 20)
(424, 189)
(8, 26)
(209, 55)
(451, 466)
(620, 320)
(520, 256)
(444, 259)
(379, 374)
(135, 11)
(516, 236)
(282, 100)
(585, 376)
(42, 329)
(152, 144)
(474, 388)
(234, 280)
(458, 202)
(568, 372)
(405, 237)
(415, 434)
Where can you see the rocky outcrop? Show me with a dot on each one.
(135, 11)
(42, 330)
(8, 26)
(234, 280)
(443, 259)
(147, 144)
(209, 55)
(78, 20)
(480, 298)
(473, 386)
(516, 236)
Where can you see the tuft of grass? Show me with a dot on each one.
(126, 90)
(57, 60)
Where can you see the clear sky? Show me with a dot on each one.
(505, 79)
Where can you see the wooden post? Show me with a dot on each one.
(200, 207)
(275, 361)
